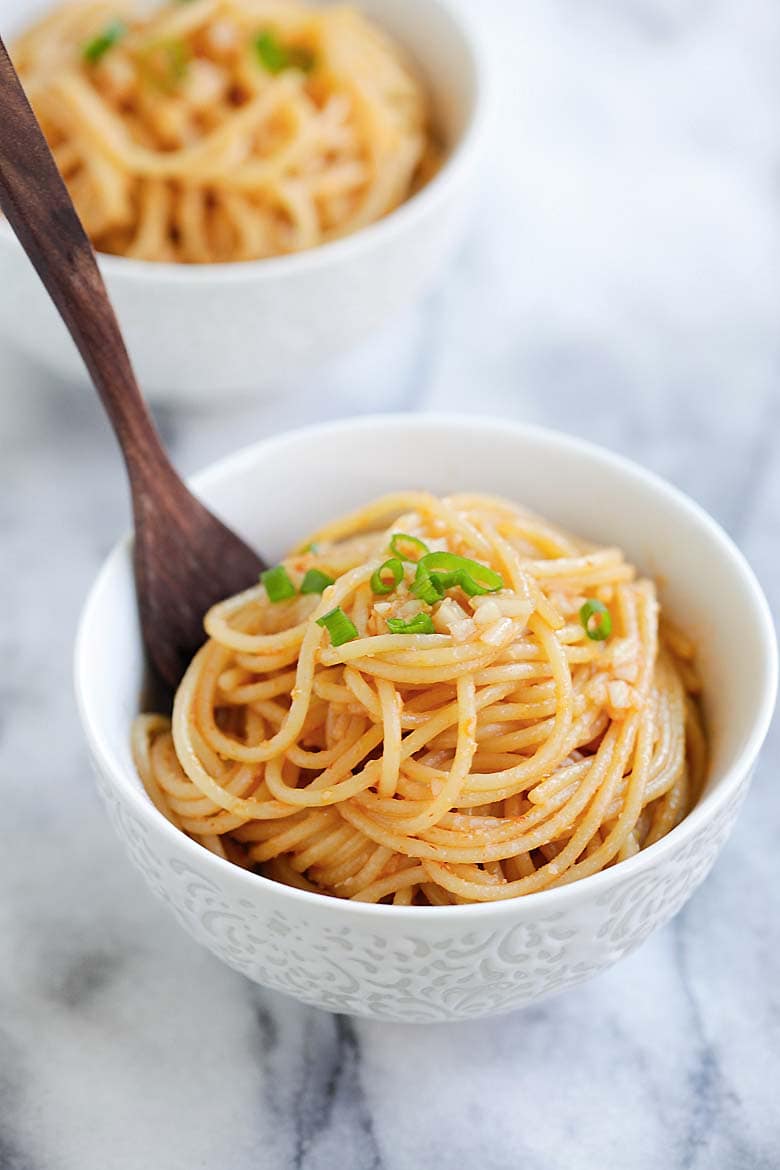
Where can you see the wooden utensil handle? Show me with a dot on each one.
(38, 208)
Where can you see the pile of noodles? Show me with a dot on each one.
(518, 747)
(223, 130)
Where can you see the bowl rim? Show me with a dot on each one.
(455, 168)
(701, 814)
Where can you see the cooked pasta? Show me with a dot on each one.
(223, 130)
(432, 701)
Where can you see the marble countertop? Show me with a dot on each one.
(620, 280)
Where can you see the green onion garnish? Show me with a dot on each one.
(315, 581)
(272, 54)
(596, 620)
(275, 57)
(339, 626)
(425, 586)
(95, 49)
(455, 577)
(393, 568)
(421, 623)
(466, 582)
(408, 548)
(278, 585)
(472, 577)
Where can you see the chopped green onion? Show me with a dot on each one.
(315, 581)
(465, 581)
(421, 623)
(425, 586)
(596, 620)
(278, 585)
(99, 45)
(445, 581)
(408, 548)
(472, 577)
(339, 626)
(394, 568)
(275, 57)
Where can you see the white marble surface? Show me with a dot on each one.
(620, 280)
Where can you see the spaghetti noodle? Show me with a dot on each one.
(434, 701)
(223, 130)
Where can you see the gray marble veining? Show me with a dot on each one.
(620, 280)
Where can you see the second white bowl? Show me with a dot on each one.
(196, 331)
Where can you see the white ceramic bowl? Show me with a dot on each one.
(194, 331)
(424, 963)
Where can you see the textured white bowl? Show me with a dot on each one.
(194, 331)
(421, 963)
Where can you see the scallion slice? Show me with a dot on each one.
(392, 568)
(407, 547)
(426, 586)
(340, 628)
(315, 581)
(273, 55)
(421, 623)
(445, 581)
(277, 583)
(276, 57)
(472, 577)
(465, 582)
(596, 620)
(99, 45)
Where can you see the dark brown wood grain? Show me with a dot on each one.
(185, 558)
